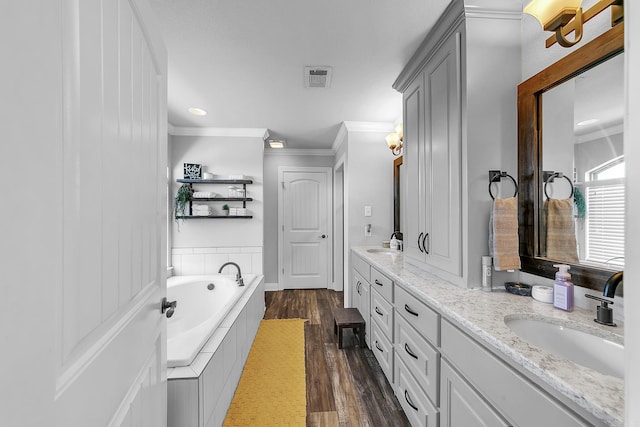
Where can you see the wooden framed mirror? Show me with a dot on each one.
(396, 193)
(530, 156)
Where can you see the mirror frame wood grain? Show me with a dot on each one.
(530, 199)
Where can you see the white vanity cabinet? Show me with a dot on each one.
(417, 372)
(361, 292)
(459, 97)
(382, 321)
(362, 301)
(486, 386)
(432, 140)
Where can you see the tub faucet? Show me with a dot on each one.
(239, 280)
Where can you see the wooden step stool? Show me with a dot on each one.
(348, 318)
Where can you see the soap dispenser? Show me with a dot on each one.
(563, 288)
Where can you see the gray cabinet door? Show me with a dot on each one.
(461, 406)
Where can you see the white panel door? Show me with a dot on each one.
(305, 217)
(97, 352)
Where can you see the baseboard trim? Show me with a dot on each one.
(270, 287)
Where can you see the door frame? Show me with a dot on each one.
(327, 170)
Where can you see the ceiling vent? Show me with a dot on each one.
(317, 77)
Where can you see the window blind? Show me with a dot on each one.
(605, 223)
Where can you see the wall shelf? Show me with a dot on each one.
(214, 181)
(213, 216)
(244, 200)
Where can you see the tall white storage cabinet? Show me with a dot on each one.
(460, 116)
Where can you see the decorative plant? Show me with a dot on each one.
(580, 204)
(225, 208)
(183, 196)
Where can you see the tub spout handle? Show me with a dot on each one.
(168, 307)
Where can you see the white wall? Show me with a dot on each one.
(200, 246)
(273, 160)
(632, 245)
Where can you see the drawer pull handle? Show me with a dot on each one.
(406, 397)
(379, 312)
(378, 283)
(378, 347)
(409, 351)
(409, 310)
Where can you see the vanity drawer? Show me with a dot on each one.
(420, 358)
(361, 266)
(422, 318)
(382, 313)
(383, 350)
(382, 284)
(415, 403)
(529, 407)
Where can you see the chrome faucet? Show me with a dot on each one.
(239, 280)
(604, 314)
(397, 235)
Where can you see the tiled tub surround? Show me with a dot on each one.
(198, 261)
(481, 316)
(199, 395)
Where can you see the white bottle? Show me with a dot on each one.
(486, 273)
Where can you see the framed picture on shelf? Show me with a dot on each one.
(192, 171)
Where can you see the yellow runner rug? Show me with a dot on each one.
(272, 388)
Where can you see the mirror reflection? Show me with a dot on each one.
(584, 170)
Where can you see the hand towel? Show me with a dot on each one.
(503, 234)
(560, 230)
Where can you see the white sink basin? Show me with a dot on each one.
(592, 350)
(383, 251)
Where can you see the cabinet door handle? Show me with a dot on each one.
(379, 312)
(378, 347)
(378, 283)
(358, 287)
(409, 351)
(420, 240)
(409, 310)
(426, 235)
(406, 397)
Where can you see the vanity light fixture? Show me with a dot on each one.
(394, 140)
(197, 111)
(566, 16)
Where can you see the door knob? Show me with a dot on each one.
(168, 307)
(323, 236)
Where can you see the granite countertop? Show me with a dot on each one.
(481, 315)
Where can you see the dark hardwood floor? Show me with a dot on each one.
(345, 387)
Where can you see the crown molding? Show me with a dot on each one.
(340, 138)
(368, 126)
(226, 132)
(493, 9)
(299, 152)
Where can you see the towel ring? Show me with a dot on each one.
(551, 176)
(496, 176)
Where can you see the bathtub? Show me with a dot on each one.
(199, 312)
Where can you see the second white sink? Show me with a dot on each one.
(587, 349)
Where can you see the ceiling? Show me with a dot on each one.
(243, 61)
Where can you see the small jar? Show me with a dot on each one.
(231, 191)
(240, 192)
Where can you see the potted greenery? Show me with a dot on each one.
(183, 197)
(225, 210)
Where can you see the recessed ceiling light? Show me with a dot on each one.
(197, 111)
(276, 143)
(587, 122)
